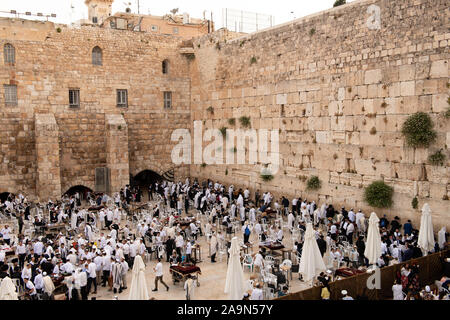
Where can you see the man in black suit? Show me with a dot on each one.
(322, 245)
(170, 245)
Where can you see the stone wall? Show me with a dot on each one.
(51, 59)
(339, 93)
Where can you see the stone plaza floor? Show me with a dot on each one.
(212, 278)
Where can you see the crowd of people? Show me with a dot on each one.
(100, 236)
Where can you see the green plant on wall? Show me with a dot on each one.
(418, 130)
(210, 109)
(203, 165)
(379, 195)
(266, 176)
(232, 121)
(437, 158)
(338, 3)
(313, 183)
(223, 131)
(245, 121)
(414, 203)
(253, 60)
(312, 31)
(226, 171)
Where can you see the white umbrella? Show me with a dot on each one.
(138, 290)
(426, 235)
(441, 237)
(311, 262)
(8, 290)
(234, 284)
(373, 243)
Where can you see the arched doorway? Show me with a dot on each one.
(145, 178)
(4, 196)
(82, 190)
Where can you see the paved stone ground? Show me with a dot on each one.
(212, 279)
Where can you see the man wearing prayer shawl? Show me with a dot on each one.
(213, 247)
(116, 271)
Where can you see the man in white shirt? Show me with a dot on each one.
(6, 234)
(98, 260)
(179, 243)
(106, 268)
(158, 269)
(92, 279)
(257, 293)
(124, 272)
(30, 288)
(258, 262)
(38, 281)
(26, 272)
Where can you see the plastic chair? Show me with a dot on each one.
(248, 262)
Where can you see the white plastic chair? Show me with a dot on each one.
(247, 262)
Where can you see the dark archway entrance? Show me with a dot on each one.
(145, 178)
(82, 190)
(4, 196)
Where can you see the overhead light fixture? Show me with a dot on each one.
(28, 13)
(13, 11)
(53, 15)
(39, 14)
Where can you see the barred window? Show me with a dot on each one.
(74, 98)
(167, 99)
(122, 98)
(97, 56)
(10, 94)
(165, 67)
(9, 53)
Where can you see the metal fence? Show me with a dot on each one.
(244, 21)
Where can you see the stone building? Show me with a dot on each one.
(338, 85)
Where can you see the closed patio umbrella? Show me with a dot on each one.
(426, 235)
(234, 284)
(138, 290)
(311, 262)
(8, 290)
(373, 242)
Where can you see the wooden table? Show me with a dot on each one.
(181, 273)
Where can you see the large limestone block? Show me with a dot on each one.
(373, 76)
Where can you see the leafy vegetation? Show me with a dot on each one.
(313, 183)
(223, 131)
(415, 203)
(379, 195)
(245, 121)
(338, 3)
(437, 158)
(418, 130)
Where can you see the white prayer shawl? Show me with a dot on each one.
(49, 286)
(73, 221)
(189, 287)
(441, 237)
(116, 272)
(213, 244)
(316, 216)
(252, 215)
(242, 213)
(323, 211)
(291, 220)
